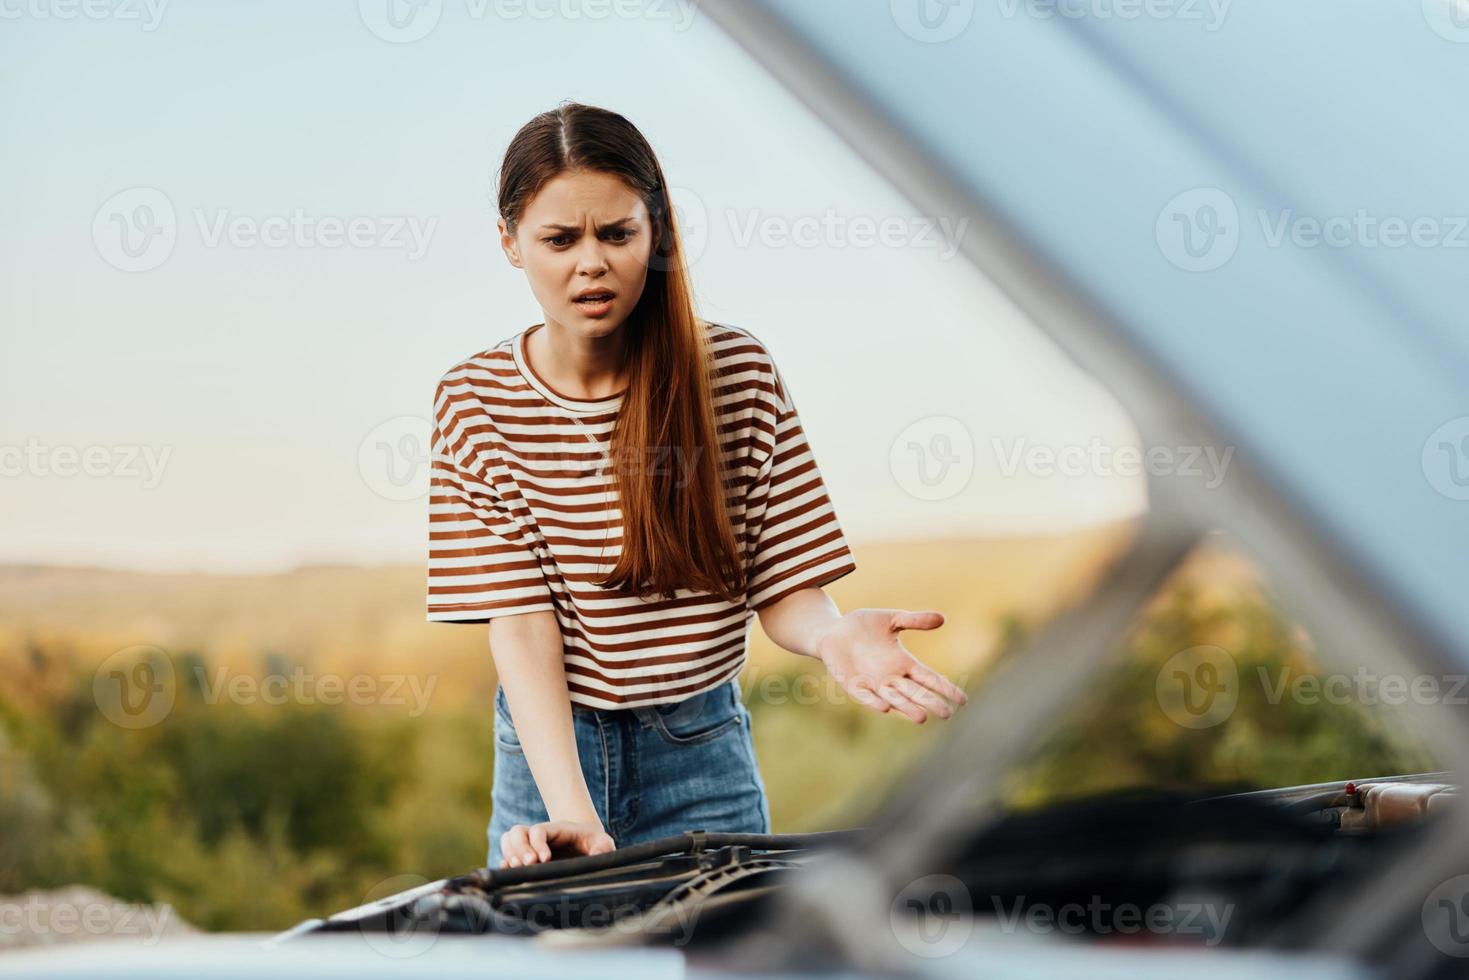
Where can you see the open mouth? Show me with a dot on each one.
(594, 299)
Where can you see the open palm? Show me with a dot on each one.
(863, 654)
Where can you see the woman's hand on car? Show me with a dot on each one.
(525, 844)
(863, 654)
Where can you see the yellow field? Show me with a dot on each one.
(370, 620)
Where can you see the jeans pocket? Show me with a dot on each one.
(505, 736)
(699, 718)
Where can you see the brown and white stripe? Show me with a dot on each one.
(522, 517)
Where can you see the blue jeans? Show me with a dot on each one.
(653, 772)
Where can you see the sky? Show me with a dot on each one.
(242, 242)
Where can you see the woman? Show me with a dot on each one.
(618, 491)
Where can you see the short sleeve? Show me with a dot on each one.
(798, 542)
(481, 559)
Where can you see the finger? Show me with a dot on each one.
(918, 620)
(863, 690)
(921, 695)
(602, 845)
(562, 834)
(539, 843)
(512, 845)
(900, 701)
(933, 680)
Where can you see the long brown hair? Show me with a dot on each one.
(675, 534)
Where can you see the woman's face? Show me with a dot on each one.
(584, 230)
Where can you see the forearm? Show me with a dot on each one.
(798, 621)
(528, 659)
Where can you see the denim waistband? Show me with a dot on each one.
(645, 714)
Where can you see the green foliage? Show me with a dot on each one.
(260, 816)
(241, 817)
(1123, 736)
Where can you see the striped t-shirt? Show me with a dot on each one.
(523, 517)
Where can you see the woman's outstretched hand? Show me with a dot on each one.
(529, 844)
(863, 654)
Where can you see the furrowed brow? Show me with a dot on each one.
(574, 228)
